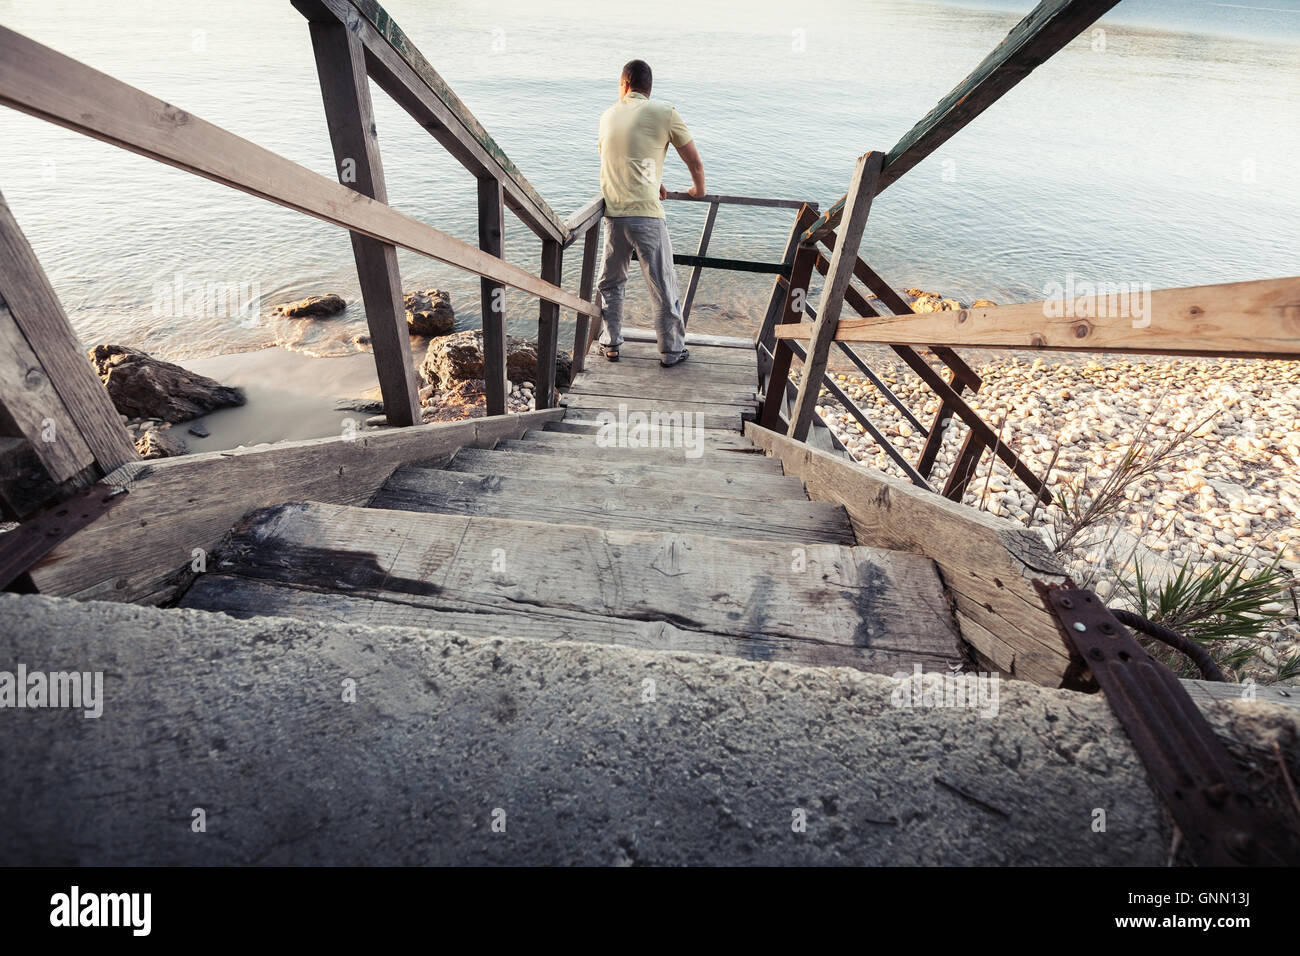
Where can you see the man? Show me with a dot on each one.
(634, 138)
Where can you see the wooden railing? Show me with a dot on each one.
(1247, 319)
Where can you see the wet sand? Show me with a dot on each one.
(290, 396)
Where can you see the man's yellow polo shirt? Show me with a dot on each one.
(634, 137)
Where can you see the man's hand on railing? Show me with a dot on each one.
(663, 192)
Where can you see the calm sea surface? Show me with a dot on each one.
(1162, 149)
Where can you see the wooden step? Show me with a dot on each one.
(726, 417)
(703, 354)
(517, 464)
(648, 372)
(713, 438)
(695, 455)
(575, 501)
(680, 392)
(812, 603)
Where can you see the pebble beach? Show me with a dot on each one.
(1231, 491)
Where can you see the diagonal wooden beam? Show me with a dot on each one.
(862, 187)
(1035, 39)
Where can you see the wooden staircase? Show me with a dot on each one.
(701, 544)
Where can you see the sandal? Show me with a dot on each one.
(610, 352)
(682, 356)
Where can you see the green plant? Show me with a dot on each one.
(1225, 607)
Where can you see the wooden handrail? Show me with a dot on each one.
(1259, 319)
(44, 83)
(742, 201)
(401, 71)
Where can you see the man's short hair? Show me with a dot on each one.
(636, 74)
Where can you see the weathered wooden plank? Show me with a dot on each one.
(641, 371)
(729, 265)
(345, 90)
(584, 219)
(251, 597)
(491, 239)
(1208, 691)
(792, 310)
(399, 68)
(1257, 319)
(585, 331)
(514, 464)
(33, 410)
(988, 563)
(723, 418)
(851, 596)
(647, 350)
(862, 187)
(575, 500)
(686, 392)
(572, 428)
(641, 403)
(963, 469)
(138, 550)
(37, 80)
(776, 300)
(698, 266)
(1035, 39)
(53, 354)
(670, 448)
(700, 339)
(548, 325)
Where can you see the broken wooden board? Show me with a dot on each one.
(180, 508)
(988, 563)
(888, 606)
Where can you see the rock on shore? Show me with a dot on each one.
(459, 357)
(142, 386)
(312, 307)
(429, 312)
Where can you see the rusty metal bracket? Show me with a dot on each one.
(23, 546)
(1190, 768)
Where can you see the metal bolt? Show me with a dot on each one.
(1079, 626)
(1067, 603)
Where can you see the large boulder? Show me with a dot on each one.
(142, 386)
(429, 312)
(459, 358)
(312, 307)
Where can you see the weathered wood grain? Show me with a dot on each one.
(137, 551)
(987, 563)
(848, 596)
(862, 187)
(1258, 319)
(492, 302)
(53, 353)
(668, 449)
(633, 473)
(350, 116)
(576, 500)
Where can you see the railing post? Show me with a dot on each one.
(51, 394)
(582, 336)
(548, 325)
(702, 250)
(862, 188)
(345, 89)
(963, 469)
(491, 238)
(782, 354)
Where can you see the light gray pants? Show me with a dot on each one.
(649, 237)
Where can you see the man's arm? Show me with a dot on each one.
(695, 165)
